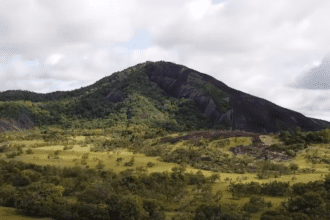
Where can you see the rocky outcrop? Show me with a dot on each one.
(246, 112)
(23, 123)
(181, 82)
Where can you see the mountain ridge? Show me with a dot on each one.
(166, 90)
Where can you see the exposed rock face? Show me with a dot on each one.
(180, 82)
(248, 113)
(23, 122)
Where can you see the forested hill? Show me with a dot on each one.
(160, 95)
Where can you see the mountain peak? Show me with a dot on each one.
(167, 91)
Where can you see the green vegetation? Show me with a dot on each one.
(86, 107)
(42, 190)
(87, 158)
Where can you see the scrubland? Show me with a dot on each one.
(193, 175)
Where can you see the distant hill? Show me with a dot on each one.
(162, 94)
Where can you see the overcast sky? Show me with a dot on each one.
(276, 50)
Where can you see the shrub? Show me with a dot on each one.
(129, 164)
(150, 164)
(100, 165)
(85, 156)
(276, 147)
(94, 196)
(3, 148)
(67, 147)
(140, 169)
(221, 143)
(19, 149)
(294, 166)
(275, 188)
(204, 211)
(29, 151)
(57, 152)
(299, 216)
(256, 204)
(277, 217)
(12, 155)
(290, 153)
(19, 180)
(305, 203)
(255, 141)
(263, 175)
(95, 158)
(7, 194)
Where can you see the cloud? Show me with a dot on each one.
(316, 78)
(276, 50)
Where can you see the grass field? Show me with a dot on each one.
(73, 157)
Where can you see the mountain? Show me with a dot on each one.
(164, 91)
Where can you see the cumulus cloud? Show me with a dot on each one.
(316, 78)
(276, 50)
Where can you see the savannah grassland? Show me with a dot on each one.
(77, 145)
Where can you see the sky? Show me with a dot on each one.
(275, 50)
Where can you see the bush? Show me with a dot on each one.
(128, 164)
(278, 217)
(57, 152)
(263, 175)
(255, 141)
(306, 203)
(277, 147)
(12, 155)
(29, 151)
(154, 207)
(299, 216)
(67, 147)
(7, 194)
(290, 153)
(256, 204)
(208, 211)
(100, 165)
(95, 196)
(19, 180)
(85, 156)
(150, 164)
(187, 216)
(294, 166)
(3, 148)
(275, 188)
(221, 143)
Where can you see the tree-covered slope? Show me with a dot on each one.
(160, 95)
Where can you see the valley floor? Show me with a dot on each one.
(72, 158)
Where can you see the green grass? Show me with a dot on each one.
(73, 157)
